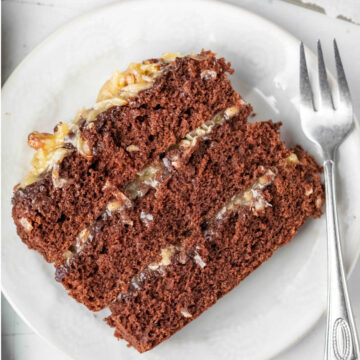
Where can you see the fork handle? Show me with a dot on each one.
(341, 337)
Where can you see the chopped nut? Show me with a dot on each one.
(263, 180)
(200, 132)
(135, 74)
(248, 195)
(120, 204)
(292, 159)
(26, 224)
(81, 239)
(319, 202)
(166, 254)
(231, 111)
(49, 151)
(84, 234)
(46, 141)
(308, 190)
(131, 148)
(114, 205)
(68, 254)
(259, 205)
(239, 200)
(38, 140)
(185, 313)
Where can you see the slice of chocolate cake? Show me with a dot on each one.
(162, 197)
(139, 114)
(263, 213)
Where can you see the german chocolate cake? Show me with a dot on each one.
(162, 197)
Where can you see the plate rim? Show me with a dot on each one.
(14, 74)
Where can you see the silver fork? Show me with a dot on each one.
(327, 127)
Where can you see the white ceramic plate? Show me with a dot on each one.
(275, 305)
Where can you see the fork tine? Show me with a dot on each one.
(326, 99)
(306, 94)
(342, 83)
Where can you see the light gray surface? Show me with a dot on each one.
(26, 23)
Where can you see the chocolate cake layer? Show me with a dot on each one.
(238, 241)
(200, 182)
(51, 212)
(110, 259)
